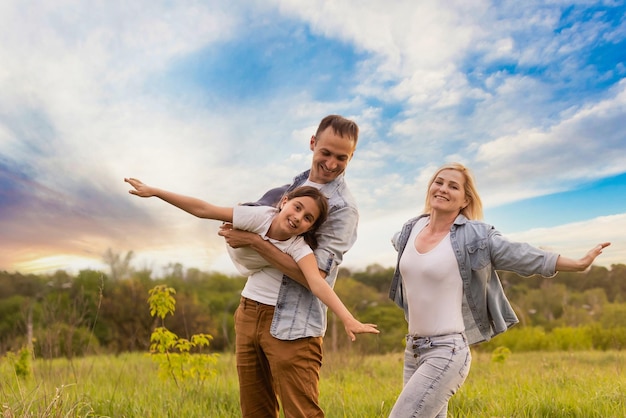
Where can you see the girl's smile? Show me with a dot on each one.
(295, 217)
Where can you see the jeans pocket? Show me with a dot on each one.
(464, 371)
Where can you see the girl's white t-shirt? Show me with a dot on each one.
(264, 280)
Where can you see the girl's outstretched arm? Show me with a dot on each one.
(327, 295)
(191, 205)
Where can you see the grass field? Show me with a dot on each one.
(535, 384)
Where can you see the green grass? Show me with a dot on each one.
(540, 384)
(535, 384)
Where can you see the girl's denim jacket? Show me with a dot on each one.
(298, 312)
(480, 250)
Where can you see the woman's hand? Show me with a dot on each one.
(569, 264)
(591, 255)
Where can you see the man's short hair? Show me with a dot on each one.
(342, 127)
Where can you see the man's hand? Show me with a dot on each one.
(237, 238)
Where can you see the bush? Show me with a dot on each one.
(21, 362)
(500, 354)
(519, 339)
(61, 339)
(568, 338)
(607, 338)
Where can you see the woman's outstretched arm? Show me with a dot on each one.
(581, 264)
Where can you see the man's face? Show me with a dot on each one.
(331, 154)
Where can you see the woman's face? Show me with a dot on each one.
(447, 192)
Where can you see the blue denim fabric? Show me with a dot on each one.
(434, 370)
(480, 250)
(298, 312)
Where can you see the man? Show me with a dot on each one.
(279, 347)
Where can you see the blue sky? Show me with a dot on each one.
(218, 99)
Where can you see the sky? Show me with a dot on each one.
(218, 100)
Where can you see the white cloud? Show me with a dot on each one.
(586, 145)
(84, 101)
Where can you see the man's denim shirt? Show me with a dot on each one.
(298, 313)
(480, 250)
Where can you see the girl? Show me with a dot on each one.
(291, 227)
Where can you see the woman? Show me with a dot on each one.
(446, 282)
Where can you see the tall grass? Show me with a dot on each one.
(534, 384)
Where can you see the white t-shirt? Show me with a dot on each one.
(263, 280)
(434, 287)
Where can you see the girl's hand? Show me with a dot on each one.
(354, 326)
(140, 189)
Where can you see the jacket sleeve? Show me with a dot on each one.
(394, 240)
(520, 257)
(335, 237)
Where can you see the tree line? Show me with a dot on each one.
(107, 312)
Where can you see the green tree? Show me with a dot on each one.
(119, 266)
(123, 313)
(613, 315)
(376, 277)
(357, 297)
(12, 323)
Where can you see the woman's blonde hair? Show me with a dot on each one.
(474, 209)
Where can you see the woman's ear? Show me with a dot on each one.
(282, 202)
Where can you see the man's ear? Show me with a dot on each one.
(312, 143)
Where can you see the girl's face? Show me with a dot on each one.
(447, 192)
(297, 215)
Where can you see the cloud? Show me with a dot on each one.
(586, 144)
(219, 99)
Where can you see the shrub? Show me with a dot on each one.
(172, 353)
(500, 354)
(21, 362)
(568, 338)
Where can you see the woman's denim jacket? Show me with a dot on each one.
(298, 312)
(480, 250)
